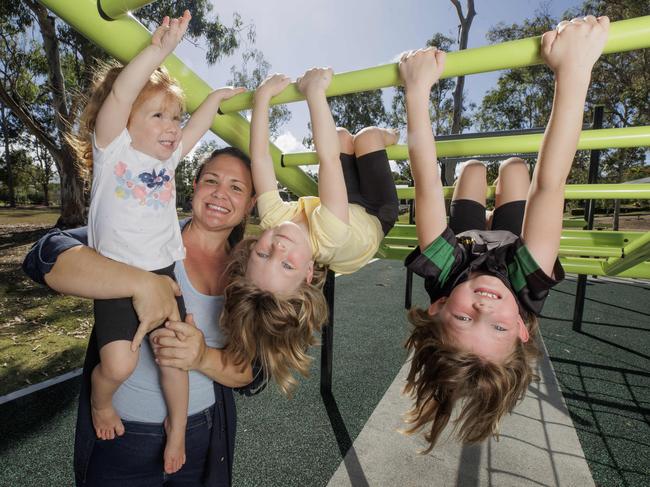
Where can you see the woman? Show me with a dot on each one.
(223, 197)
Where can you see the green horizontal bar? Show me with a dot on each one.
(623, 191)
(117, 8)
(124, 37)
(570, 237)
(573, 265)
(481, 146)
(624, 35)
(633, 253)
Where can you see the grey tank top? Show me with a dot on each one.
(140, 397)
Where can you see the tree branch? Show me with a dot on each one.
(32, 125)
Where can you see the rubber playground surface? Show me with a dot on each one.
(596, 432)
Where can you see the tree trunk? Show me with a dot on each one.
(73, 197)
(463, 34)
(10, 175)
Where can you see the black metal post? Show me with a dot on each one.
(590, 207)
(327, 337)
(409, 273)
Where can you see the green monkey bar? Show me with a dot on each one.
(479, 146)
(632, 254)
(624, 35)
(124, 37)
(572, 192)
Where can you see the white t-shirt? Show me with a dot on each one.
(132, 216)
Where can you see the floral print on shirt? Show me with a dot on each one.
(152, 189)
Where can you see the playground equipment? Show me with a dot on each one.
(109, 24)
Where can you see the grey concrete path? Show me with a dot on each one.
(538, 446)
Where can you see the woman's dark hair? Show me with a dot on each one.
(237, 233)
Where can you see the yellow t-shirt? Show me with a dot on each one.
(345, 248)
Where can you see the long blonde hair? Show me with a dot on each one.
(441, 376)
(275, 330)
(104, 77)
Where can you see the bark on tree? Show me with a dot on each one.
(463, 34)
(10, 176)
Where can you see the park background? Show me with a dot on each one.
(45, 65)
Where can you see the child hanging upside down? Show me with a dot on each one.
(475, 344)
(274, 302)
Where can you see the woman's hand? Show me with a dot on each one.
(154, 300)
(179, 344)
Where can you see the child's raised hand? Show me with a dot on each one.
(229, 91)
(272, 85)
(315, 80)
(170, 32)
(421, 68)
(574, 46)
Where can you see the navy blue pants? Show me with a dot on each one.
(135, 459)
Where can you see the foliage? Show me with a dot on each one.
(620, 82)
(279, 114)
(186, 171)
(44, 63)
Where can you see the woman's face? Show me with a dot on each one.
(223, 193)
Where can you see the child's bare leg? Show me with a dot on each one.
(371, 139)
(471, 183)
(513, 181)
(117, 362)
(175, 386)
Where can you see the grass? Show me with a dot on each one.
(42, 334)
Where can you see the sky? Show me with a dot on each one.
(347, 35)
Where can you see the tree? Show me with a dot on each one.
(279, 114)
(186, 171)
(620, 82)
(39, 79)
(441, 106)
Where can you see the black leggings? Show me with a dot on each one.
(116, 319)
(369, 183)
(470, 215)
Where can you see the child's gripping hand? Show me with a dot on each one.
(575, 45)
(272, 86)
(422, 68)
(227, 92)
(315, 80)
(169, 33)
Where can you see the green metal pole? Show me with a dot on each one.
(530, 143)
(632, 254)
(124, 37)
(572, 192)
(116, 8)
(624, 35)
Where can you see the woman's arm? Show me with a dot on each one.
(419, 71)
(62, 261)
(182, 345)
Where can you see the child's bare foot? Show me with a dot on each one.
(106, 422)
(174, 456)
